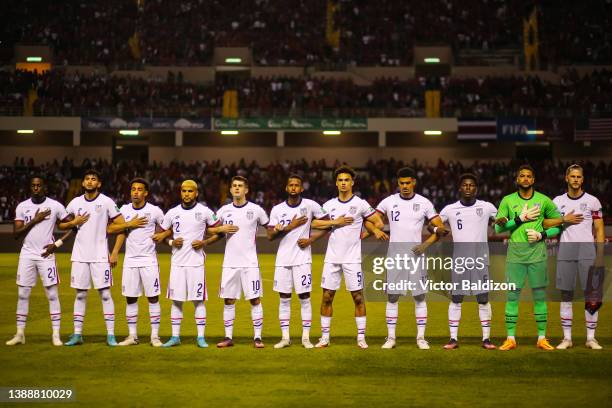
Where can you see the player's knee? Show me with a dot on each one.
(131, 300)
(229, 302)
(514, 295)
(419, 298)
(482, 298)
(51, 295)
(285, 295)
(81, 295)
(304, 295)
(255, 301)
(539, 294)
(393, 298)
(567, 295)
(105, 295)
(357, 297)
(153, 299)
(328, 297)
(592, 307)
(24, 293)
(457, 298)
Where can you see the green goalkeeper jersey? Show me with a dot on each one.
(519, 250)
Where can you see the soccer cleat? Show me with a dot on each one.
(19, 338)
(156, 342)
(323, 343)
(74, 340)
(56, 340)
(565, 344)
(227, 342)
(422, 343)
(257, 343)
(202, 342)
(451, 345)
(509, 344)
(306, 343)
(282, 344)
(362, 344)
(173, 341)
(129, 341)
(543, 344)
(110, 340)
(593, 344)
(389, 344)
(487, 345)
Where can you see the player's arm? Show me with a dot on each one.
(324, 224)
(600, 238)
(73, 221)
(114, 256)
(317, 235)
(119, 224)
(422, 247)
(568, 219)
(504, 223)
(20, 228)
(374, 225)
(51, 248)
(278, 230)
(437, 226)
(162, 235)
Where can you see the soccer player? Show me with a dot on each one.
(469, 220)
(406, 212)
(240, 271)
(90, 256)
(187, 223)
(35, 220)
(343, 256)
(523, 213)
(290, 221)
(578, 256)
(140, 267)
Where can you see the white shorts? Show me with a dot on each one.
(288, 277)
(332, 276)
(235, 279)
(404, 276)
(568, 270)
(28, 270)
(473, 276)
(187, 283)
(134, 280)
(83, 273)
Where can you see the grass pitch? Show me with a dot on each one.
(341, 375)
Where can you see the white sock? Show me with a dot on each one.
(257, 317)
(306, 309)
(131, 315)
(361, 327)
(23, 306)
(484, 312)
(454, 316)
(567, 314)
(80, 305)
(325, 327)
(591, 323)
(200, 317)
(229, 314)
(108, 307)
(284, 316)
(392, 313)
(176, 316)
(420, 312)
(154, 317)
(55, 310)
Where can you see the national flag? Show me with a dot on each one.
(475, 129)
(593, 129)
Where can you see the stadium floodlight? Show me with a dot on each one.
(332, 132)
(433, 132)
(233, 60)
(229, 132)
(432, 60)
(34, 59)
(129, 132)
(25, 131)
(535, 132)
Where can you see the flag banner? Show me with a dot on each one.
(476, 129)
(593, 129)
(291, 124)
(107, 123)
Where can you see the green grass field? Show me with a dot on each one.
(341, 375)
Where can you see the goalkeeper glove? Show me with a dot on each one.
(535, 236)
(529, 214)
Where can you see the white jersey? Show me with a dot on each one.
(240, 248)
(590, 208)
(189, 224)
(289, 253)
(406, 216)
(469, 223)
(139, 246)
(42, 233)
(90, 243)
(344, 245)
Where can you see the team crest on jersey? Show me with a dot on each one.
(98, 208)
(303, 211)
(353, 210)
(395, 206)
(148, 216)
(415, 207)
(250, 215)
(198, 216)
(284, 215)
(479, 212)
(583, 206)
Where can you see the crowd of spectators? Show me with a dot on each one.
(294, 32)
(374, 181)
(96, 94)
